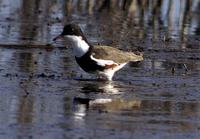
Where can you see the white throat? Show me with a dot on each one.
(79, 46)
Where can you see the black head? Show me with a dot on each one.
(71, 29)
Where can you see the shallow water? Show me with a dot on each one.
(44, 94)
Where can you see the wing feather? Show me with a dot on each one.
(114, 54)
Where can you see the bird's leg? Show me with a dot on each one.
(100, 77)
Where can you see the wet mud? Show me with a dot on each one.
(44, 94)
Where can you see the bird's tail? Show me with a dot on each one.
(136, 57)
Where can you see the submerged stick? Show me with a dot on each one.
(185, 67)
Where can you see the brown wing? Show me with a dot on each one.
(116, 55)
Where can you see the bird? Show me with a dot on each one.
(103, 60)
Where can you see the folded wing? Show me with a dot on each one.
(113, 55)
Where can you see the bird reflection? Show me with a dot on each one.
(101, 97)
(104, 87)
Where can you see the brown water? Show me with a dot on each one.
(44, 94)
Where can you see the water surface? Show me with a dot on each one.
(44, 94)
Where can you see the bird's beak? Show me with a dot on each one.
(58, 37)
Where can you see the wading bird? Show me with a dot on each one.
(103, 60)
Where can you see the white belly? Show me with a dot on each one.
(108, 73)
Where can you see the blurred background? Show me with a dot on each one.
(104, 21)
(44, 94)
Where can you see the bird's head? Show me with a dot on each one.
(70, 30)
(75, 37)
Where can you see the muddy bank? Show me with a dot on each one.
(44, 94)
